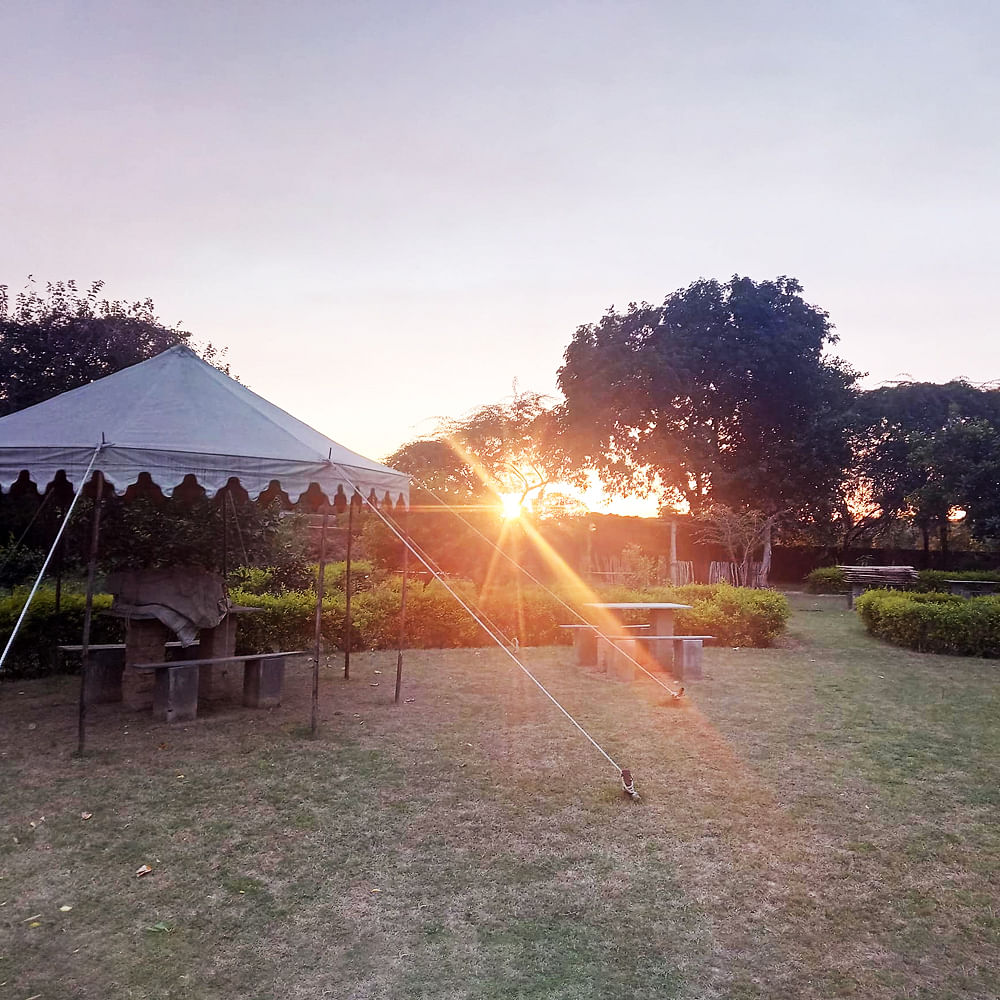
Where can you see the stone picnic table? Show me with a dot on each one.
(661, 614)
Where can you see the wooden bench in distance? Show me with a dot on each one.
(175, 694)
(862, 578)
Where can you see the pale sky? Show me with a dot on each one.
(390, 211)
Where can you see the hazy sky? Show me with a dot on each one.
(390, 211)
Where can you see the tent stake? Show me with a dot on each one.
(319, 621)
(88, 611)
(347, 589)
(402, 609)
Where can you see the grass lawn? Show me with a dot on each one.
(819, 821)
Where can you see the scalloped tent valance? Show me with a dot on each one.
(173, 416)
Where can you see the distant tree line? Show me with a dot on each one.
(723, 399)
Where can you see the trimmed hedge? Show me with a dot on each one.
(34, 651)
(434, 619)
(933, 622)
(827, 580)
(736, 616)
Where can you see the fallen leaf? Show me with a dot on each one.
(65, 909)
(34, 923)
(34, 916)
(86, 815)
(376, 890)
(180, 775)
(375, 685)
(160, 927)
(144, 870)
(409, 701)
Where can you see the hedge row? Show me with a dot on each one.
(827, 580)
(34, 651)
(434, 619)
(933, 622)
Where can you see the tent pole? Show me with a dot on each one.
(402, 607)
(347, 590)
(88, 611)
(59, 575)
(319, 621)
(225, 534)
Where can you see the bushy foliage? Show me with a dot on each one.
(34, 651)
(18, 563)
(933, 622)
(736, 616)
(827, 580)
(286, 620)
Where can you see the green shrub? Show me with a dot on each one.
(434, 619)
(736, 616)
(287, 621)
(34, 651)
(933, 622)
(827, 580)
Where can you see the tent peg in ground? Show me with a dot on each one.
(628, 785)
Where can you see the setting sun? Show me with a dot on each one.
(512, 505)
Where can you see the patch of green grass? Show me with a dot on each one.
(819, 821)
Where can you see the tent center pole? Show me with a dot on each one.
(402, 608)
(319, 622)
(347, 591)
(88, 611)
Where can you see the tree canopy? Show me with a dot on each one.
(925, 449)
(65, 338)
(722, 394)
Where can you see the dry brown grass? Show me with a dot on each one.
(819, 821)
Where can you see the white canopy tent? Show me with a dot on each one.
(175, 415)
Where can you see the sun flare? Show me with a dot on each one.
(511, 504)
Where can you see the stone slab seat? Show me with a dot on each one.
(585, 642)
(687, 660)
(175, 692)
(104, 672)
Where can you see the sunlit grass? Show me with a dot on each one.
(819, 823)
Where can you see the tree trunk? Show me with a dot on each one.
(943, 537)
(925, 531)
(765, 561)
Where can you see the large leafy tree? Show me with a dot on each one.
(62, 338)
(724, 394)
(923, 449)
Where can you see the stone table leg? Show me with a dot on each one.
(663, 650)
(145, 642)
(218, 682)
(585, 643)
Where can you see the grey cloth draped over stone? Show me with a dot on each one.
(183, 598)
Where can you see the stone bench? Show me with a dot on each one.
(585, 642)
(686, 662)
(175, 691)
(105, 669)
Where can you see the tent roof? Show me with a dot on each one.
(175, 415)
